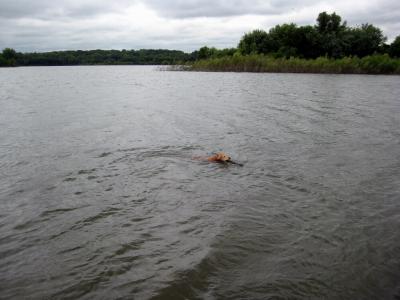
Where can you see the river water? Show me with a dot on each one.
(100, 197)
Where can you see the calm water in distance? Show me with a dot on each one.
(100, 197)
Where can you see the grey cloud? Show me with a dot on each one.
(42, 25)
(385, 15)
(388, 12)
(47, 9)
(22, 8)
(223, 8)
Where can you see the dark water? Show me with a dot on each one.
(100, 197)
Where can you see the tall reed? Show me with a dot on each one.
(374, 64)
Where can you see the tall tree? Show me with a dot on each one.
(331, 28)
(8, 57)
(364, 40)
(309, 45)
(329, 23)
(9, 54)
(256, 42)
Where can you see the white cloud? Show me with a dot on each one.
(44, 25)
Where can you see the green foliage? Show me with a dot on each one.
(226, 52)
(374, 64)
(331, 33)
(8, 58)
(364, 40)
(110, 57)
(103, 57)
(308, 42)
(329, 37)
(284, 35)
(206, 52)
(3, 62)
(257, 41)
(329, 23)
(9, 54)
(395, 47)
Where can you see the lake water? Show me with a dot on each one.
(100, 197)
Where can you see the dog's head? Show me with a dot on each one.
(221, 156)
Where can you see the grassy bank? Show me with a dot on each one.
(374, 64)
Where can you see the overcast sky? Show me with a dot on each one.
(43, 25)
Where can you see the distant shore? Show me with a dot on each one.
(11, 58)
(374, 64)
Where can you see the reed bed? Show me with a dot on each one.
(374, 64)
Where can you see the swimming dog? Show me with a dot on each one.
(220, 157)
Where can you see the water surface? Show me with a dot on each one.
(100, 197)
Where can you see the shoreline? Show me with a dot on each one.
(368, 65)
(263, 65)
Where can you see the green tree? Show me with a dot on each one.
(364, 40)
(9, 54)
(205, 52)
(256, 42)
(285, 39)
(3, 62)
(225, 52)
(308, 45)
(9, 57)
(329, 23)
(395, 47)
(331, 30)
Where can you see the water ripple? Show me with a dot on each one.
(100, 197)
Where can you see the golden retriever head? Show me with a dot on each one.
(221, 156)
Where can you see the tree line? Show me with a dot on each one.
(10, 57)
(330, 37)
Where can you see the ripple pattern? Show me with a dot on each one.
(100, 197)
